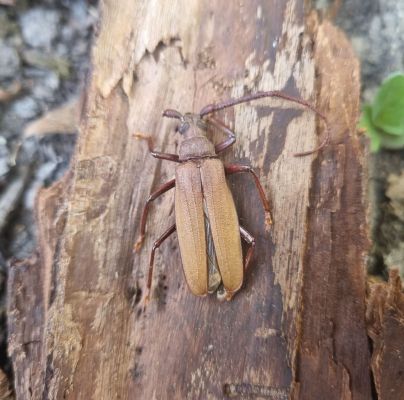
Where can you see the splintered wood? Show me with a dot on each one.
(385, 319)
(78, 329)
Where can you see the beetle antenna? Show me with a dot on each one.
(172, 114)
(259, 95)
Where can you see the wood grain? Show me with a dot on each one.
(334, 345)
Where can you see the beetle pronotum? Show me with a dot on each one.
(205, 215)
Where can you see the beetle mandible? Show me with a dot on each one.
(205, 215)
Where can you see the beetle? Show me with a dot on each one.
(205, 215)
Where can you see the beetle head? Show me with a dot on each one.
(190, 124)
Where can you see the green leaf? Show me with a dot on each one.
(365, 122)
(392, 142)
(388, 107)
(378, 138)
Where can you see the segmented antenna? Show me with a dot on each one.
(259, 95)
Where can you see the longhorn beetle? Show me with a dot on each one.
(205, 215)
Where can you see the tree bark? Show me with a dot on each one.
(385, 319)
(297, 328)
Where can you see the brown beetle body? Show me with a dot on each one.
(205, 215)
(197, 147)
(200, 185)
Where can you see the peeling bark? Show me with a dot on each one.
(334, 345)
(385, 319)
(297, 328)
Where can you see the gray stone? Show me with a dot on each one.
(43, 173)
(82, 17)
(395, 259)
(62, 50)
(47, 60)
(9, 61)
(80, 48)
(40, 27)
(378, 32)
(46, 87)
(25, 108)
(4, 157)
(7, 25)
(395, 192)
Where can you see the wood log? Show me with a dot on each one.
(385, 319)
(297, 328)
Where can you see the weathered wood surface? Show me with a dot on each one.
(297, 328)
(385, 319)
(334, 347)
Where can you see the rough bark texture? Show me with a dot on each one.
(334, 347)
(385, 318)
(297, 328)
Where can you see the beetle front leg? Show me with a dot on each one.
(162, 189)
(156, 245)
(233, 169)
(154, 153)
(250, 241)
(231, 137)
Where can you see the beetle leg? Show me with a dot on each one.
(231, 137)
(162, 189)
(235, 168)
(156, 245)
(251, 241)
(223, 294)
(157, 154)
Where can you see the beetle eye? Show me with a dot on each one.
(182, 128)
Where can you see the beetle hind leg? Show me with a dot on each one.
(222, 293)
(156, 245)
(250, 240)
(235, 168)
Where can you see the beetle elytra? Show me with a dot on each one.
(205, 215)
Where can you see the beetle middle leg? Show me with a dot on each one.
(156, 245)
(162, 189)
(235, 168)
